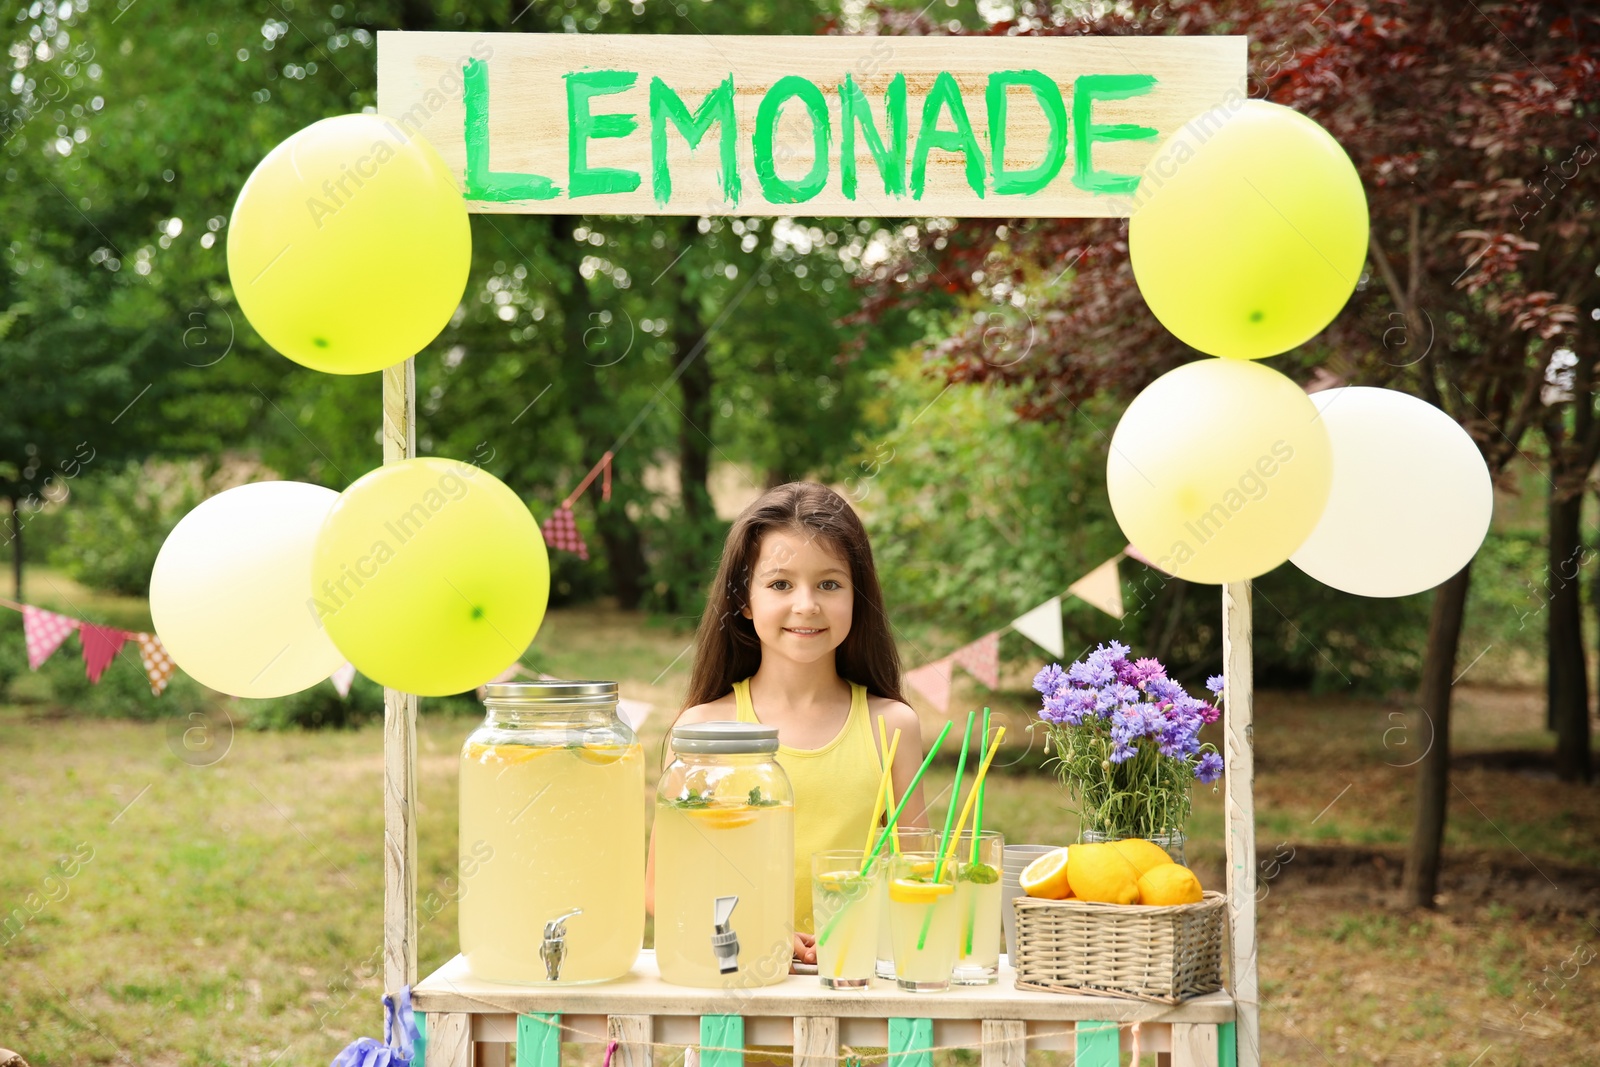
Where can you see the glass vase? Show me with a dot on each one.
(1172, 841)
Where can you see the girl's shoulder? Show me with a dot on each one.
(723, 708)
(894, 712)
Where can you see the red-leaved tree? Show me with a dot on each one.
(1471, 128)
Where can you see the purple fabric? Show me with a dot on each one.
(397, 1049)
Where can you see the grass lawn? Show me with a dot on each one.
(163, 913)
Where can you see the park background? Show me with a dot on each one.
(956, 380)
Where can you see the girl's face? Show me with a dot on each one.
(801, 599)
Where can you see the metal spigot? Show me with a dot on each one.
(554, 947)
(724, 942)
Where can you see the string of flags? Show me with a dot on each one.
(1101, 588)
(46, 631)
(561, 528)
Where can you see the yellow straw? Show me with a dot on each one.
(888, 785)
(972, 795)
(877, 804)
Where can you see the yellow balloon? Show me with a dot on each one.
(1219, 470)
(1249, 231)
(349, 246)
(431, 576)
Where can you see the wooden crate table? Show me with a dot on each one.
(471, 1023)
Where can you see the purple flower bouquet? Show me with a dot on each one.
(1127, 741)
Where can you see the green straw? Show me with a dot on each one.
(904, 797)
(949, 822)
(955, 796)
(822, 938)
(977, 814)
(977, 832)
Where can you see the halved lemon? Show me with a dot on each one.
(478, 752)
(723, 818)
(602, 755)
(1046, 877)
(905, 891)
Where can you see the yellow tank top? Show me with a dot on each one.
(834, 790)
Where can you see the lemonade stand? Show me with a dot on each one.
(1159, 130)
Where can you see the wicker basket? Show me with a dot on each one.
(1159, 954)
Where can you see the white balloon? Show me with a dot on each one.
(231, 587)
(1411, 498)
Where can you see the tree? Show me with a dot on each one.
(1450, 115)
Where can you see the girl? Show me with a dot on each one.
(795, 636)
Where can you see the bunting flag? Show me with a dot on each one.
(43, 631)
(1101, 587)
(158, 665)
(932, 680)
(1042, 626)
(1135, 554)
(100, 646)
(981, 659)
(343, 678)
(561, 531)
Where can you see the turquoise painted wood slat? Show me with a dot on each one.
(539, 1040)
(721, 1041)
(1227, 1045)
(1099, 1044)
(909, 1043)
(419, 1051)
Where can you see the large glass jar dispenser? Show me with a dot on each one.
(552, 832)
(724, 874)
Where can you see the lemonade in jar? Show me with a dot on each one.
(724, 874)
(552, 816)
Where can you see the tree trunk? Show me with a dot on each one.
(16, 555)
(1568, 676)
(1421, 881)
(694, 431)
(595, 420)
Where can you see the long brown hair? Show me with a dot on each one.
(726, 646)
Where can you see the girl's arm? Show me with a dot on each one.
(907, 759)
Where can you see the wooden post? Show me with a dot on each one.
(1240, 814)
(399, 735)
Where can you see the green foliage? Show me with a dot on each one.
(112, 528)
(318, 708)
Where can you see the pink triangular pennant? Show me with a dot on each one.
(981, 659)
(932, 680)
(100, 646)
(561, 531)
(43, 631)
(158, 665)
(343, 678)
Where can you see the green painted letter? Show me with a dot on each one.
(481, 182)
(946, 94)
(774, 188)
(582, 86)
(716, 107)
(1085, 91)
(1048, 94)
(891, 160)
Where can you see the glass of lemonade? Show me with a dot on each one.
(923, 921)
(978, 908)
(552, 836)
(848, 906)
(915, 839)
(725, 882)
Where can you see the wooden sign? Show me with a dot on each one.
(856, 126)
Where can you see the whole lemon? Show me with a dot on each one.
(1099, 873)
(1144, 855)
(1169, 884)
